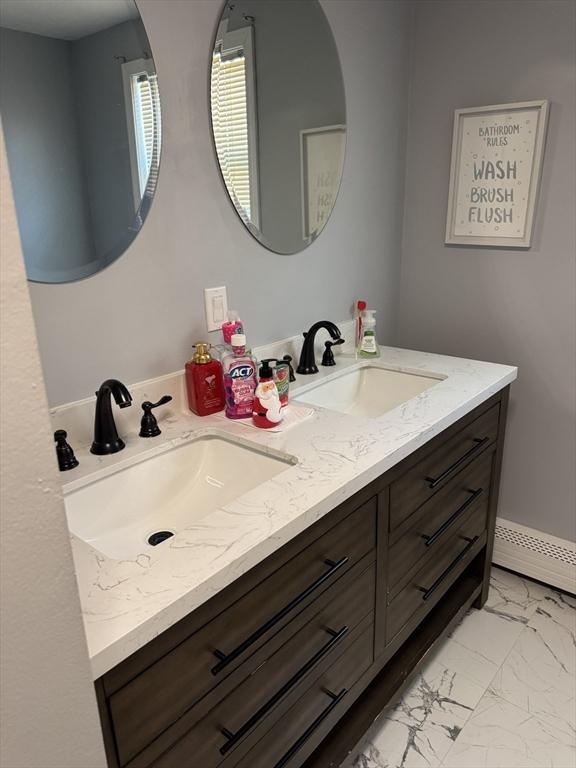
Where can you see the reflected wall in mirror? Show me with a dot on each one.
(278, 118)
(80, 110)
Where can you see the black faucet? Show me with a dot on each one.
(106, 438)
(307, 362)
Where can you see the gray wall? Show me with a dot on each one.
(510, 306)
(37, 105)
(48, 708)
(139, 317)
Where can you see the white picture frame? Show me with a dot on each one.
(495, 170)
(322, 152)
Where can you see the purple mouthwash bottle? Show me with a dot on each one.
(240, 379)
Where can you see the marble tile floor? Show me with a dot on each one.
(499, 692)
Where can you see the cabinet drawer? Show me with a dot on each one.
(304, 726)
(237, 722)
(432, 580)
(154, 700)
(431, 473)
(437, 520)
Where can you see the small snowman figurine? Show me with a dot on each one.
(267, 409)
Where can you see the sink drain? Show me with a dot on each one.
(158, 537)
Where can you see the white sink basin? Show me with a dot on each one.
(368, 391)
(118, 514)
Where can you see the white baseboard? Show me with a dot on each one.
(535, 554)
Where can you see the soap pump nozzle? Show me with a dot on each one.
(202, 353)
(267, 368)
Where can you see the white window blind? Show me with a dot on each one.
(230, 126)
(147, 129)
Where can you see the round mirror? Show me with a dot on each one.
(278, 118)
(81, 116)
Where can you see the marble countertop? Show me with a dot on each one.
(126, 603)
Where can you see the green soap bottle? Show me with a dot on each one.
(368, 346)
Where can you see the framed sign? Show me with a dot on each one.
(322, 158)
(495, 172)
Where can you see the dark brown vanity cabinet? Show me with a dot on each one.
(324, 631)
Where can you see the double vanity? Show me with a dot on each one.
(305, 573)
(244, 591)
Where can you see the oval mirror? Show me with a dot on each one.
(278, 118)
(81, 116)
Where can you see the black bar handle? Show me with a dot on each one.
(299, 743)
(480, 442)
(163, 400)
(228, 658)
(234, 738)
(428, 592)
(452, 519)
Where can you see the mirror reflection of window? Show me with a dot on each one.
(233, 109)
(142, 101)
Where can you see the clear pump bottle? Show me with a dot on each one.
(368, 346)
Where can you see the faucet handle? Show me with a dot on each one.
(149, 425)
(288, 359)
(64, 451)
(328, 356)
(163, 400)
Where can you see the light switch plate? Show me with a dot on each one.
(216, 303)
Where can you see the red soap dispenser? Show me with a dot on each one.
(204, 382)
